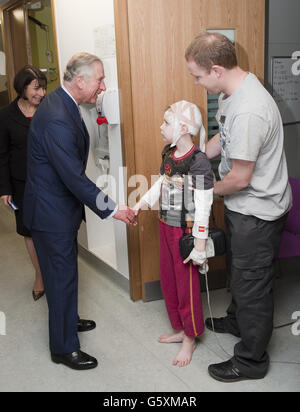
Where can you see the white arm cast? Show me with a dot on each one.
(203, 202)
(153, 194)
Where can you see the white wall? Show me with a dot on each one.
(76, 22)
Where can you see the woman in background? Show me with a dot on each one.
(30, 85)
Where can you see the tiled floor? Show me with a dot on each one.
(125, 340)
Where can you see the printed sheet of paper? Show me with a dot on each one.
(286, 89)
(105, 41)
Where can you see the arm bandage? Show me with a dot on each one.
(152, 196)
(203, 202)
(200, 259)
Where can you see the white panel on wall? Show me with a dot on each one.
(76, 22)
(88, 26)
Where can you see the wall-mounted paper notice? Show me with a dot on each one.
(105, 41)
(286, 89)
(2, 64)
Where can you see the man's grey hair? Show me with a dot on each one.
(80, 64)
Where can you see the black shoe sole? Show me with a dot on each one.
(233, 380)
(78, 368)
(222, 331)
(86, 329)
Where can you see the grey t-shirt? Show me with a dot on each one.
(251, 129)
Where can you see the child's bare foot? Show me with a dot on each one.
(172, 337)
(185, 354)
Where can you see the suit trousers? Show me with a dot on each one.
(253, 245)
(57, 254)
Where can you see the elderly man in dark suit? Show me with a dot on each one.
(56, 191)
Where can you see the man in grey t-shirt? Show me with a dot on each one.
(254, 182)
(251, 130)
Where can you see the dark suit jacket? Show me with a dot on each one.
(56, 186)
(14, 127)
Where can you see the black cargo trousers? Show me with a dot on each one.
(253, 245)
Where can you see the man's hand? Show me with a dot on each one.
(126, 215)
(236, 180)
(6, 199)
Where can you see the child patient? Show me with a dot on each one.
(186, 170)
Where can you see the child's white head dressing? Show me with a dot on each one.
(188, 114)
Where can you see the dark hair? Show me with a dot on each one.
(25, 76)
(209, 49)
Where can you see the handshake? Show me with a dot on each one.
(128, 215)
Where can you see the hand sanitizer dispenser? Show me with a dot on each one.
(108, 106)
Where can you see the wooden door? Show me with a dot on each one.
(152, 36)
(15, 40)
(19, 45)
(18, 37)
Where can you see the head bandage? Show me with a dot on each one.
(188, 114)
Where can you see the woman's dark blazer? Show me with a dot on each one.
(14, 128)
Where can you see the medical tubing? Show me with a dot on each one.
(210, 312)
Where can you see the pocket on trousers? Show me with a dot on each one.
(257, 274)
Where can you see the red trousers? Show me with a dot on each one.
(180, 284)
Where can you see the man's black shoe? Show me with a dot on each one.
(77, 360)
(86, 325)
(219, 326)
(226, 372)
